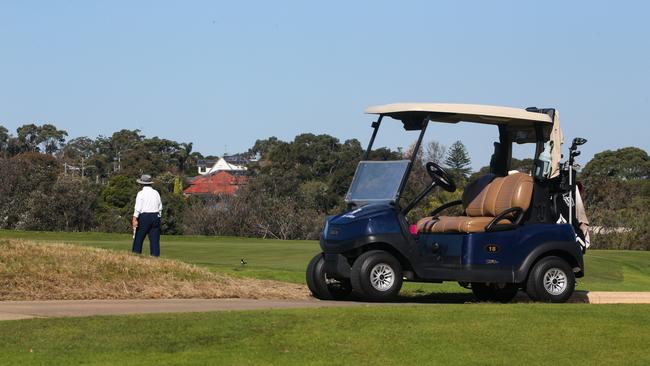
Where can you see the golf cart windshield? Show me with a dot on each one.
(377, 181)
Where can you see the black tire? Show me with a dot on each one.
(496, 292)
(531, 290)
(559, 277)
(376, 276)
(323, 287)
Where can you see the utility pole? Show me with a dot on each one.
(117, 166)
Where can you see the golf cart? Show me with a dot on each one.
(517, 230)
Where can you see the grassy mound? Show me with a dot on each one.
(30, 271)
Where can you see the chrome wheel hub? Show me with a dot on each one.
(382, 277)
(555, 281)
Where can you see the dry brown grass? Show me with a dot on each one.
(30, 271)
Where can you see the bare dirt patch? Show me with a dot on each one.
(30, 271)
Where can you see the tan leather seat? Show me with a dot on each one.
(501, 194)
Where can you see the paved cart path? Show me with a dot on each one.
(14, 310)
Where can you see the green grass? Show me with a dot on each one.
(286, 260)
(410, 334)
(485, 334)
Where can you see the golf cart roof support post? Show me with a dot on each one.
(506, 152)
(539, 140)
(414, 154)
(374, 125)
(416, 148)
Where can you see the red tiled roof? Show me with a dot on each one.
(221, 182)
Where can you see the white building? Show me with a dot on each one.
(209, 167)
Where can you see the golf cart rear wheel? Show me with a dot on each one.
(376, 276)
(321, 285)
(551, 280)
(497, 292)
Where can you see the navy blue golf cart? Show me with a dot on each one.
(516, 231)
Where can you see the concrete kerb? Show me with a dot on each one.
(16, 310)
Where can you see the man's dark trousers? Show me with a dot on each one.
(148, 224)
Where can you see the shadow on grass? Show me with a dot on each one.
(436, 298)
(459, 298)
(429, 298)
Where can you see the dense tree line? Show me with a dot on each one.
(50, 183)
(617, 198)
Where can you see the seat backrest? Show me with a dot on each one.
(475, 187)
(502, 193)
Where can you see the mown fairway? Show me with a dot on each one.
(485, 334)
(286, 260)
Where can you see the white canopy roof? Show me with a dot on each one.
(444, 112)
(222, 164)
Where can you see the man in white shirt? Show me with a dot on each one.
(146, 217)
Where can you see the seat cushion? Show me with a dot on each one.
(455, 224)
(424, 223)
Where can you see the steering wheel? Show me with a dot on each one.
(440, 176)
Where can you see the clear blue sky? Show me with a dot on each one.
(228, 73)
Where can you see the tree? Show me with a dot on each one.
(617, 198)
(524, 166)
(178, 186)
(80, 147)
(46, 138)
(23, 178)
(82, 153)
(191, 166)
(173, 204)
(115, 204)
(619, 208)
(4, 141)
(625, 163)
(69, 205)
(348, 157)
(458, 160)
(419, 178)
(119, 145)
(51, 138)
(316, 195)
(435, 152)
(28, 137)
(10, 195)
(125, 139)
(184, 157)
(74, 200)
(262, 147)
(253, 212)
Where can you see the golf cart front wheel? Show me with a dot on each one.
(323, 286)
(376, 276)
(551, 280)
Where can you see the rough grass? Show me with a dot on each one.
(30, 271)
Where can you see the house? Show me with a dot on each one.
(218, 177)
(226, 163)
